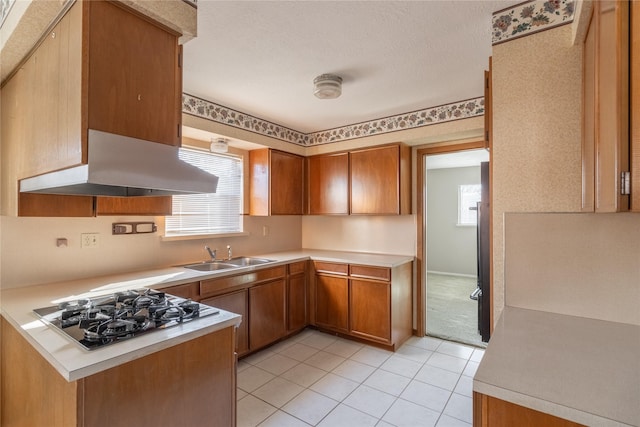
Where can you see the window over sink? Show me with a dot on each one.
(215, 213)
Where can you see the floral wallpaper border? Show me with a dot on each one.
(530, 17)
(429, 116)
(5, 7)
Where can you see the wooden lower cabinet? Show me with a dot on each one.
(191, 383)
(489, 411)
(370, 314)
(267, 304)
(297, 317)
(272, 302)
(332, 302)
(235, 302)
(365, 302)
(187, 290)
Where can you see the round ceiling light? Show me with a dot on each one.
(327, 86)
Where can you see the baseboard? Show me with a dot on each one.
(445, 273)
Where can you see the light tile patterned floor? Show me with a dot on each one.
(316, 379)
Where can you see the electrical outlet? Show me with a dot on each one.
(89, 240)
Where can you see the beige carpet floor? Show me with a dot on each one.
(451, 314)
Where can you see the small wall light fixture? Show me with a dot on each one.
(219, 145)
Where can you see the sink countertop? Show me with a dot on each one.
(73, 362)
(584, 370)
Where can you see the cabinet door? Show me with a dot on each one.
(235, 302)
(134, 88)
(635, 106)
(328, 184)
(332, 302)
(55, 205)
(266, 314)
(370, 310)
(287, 178)
(275, 183)
(160, 205)
(296, 302)
(606, 107)
(380, 180)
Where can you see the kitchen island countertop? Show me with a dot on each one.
(73, 362)
(580, 369)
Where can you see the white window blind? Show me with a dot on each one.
(468, 197)
(215, 213)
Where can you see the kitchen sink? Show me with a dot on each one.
(227, 264)
(210, 266)
(247, 261)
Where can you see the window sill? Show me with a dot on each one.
(178, 237)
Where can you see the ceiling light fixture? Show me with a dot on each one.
(327, 86)
(219, 145)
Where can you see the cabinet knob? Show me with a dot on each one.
(53, 34)
(139, 97)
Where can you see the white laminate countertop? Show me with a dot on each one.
(583, 370)
(73, 362)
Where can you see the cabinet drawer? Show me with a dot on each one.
(214, 286)
(331, 267)
(369, 272)
(188, 290)
(297, 267)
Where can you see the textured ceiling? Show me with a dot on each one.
(260, 57)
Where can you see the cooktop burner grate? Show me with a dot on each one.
(101, 321)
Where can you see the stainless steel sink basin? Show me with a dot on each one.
(243, 261)
(210, 266)
(226, 264)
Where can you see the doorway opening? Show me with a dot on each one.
(453, 186)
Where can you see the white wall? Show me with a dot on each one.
(29, 254)
(536, 153)
(378, 234)
(450, 248)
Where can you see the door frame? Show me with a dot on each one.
(421, 285)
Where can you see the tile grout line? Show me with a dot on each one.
(281, 351)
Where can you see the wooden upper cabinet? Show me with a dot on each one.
(605, 150)
(328, 180)
(635, 106)
(488, 106)
(153, 206)
(381, 180)
(276, 183)
(104, 67)
(135, 80)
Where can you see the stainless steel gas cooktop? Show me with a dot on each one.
(101, 321)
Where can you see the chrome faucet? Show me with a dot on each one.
(212, 253)
(229, 254)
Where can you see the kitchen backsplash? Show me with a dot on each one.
(585, 265)
(30, 255)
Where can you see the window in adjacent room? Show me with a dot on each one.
(468, 197)
(215, 213)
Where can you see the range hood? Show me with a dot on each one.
(122, 166)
